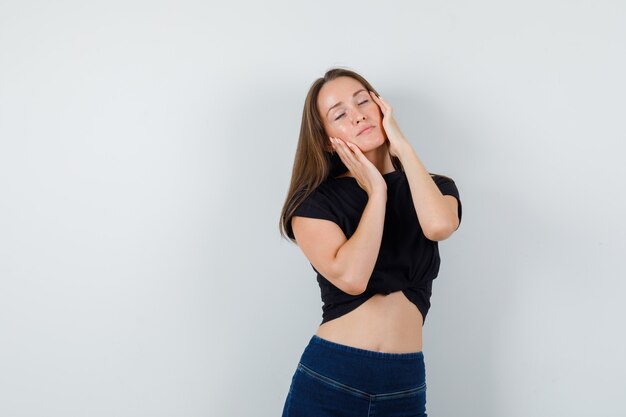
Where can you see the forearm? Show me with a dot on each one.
(356, 258)
(431, 209)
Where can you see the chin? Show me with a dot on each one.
(380, 141)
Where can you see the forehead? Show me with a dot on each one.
(339, 89)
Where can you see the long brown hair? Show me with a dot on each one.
(314, 161)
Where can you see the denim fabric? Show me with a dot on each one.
(335, 380)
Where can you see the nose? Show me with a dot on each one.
(357, 116)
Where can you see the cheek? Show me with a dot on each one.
(340, 126)
(331, 128)
(346, 129)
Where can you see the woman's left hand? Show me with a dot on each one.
(397, 141)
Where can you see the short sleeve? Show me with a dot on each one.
(317, 206)
(448, 187)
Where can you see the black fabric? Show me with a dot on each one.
(407, 260)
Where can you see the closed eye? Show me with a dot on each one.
(343, 114)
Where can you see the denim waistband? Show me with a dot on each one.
(366, 370)
(370, 353)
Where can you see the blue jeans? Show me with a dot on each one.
(335, 380)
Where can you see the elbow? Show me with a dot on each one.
(347, 280)
(443, 228)
(440, 232)
(353, 286)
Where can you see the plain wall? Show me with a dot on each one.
(145, 154)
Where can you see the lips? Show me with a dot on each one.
(366, 128)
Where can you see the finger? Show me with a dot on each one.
(375, 98)
(345, 153)
(382, 100)
(358, 154)
(341, 151)
(379, 101)
(357, 151)
(383, 103)
(343, 145)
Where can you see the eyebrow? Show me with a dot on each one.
(335, 105)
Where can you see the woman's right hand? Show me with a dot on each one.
(365, 173)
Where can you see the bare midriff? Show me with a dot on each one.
(384, 323)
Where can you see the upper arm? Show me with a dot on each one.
(320, 240)
(454, 208)
(452, 198)
(446, 232)
(315, 224)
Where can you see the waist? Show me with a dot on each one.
(384, 323)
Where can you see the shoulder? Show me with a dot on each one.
(317, 204)
(443, 181)
(445, 184)
(440, 178)
(317, 194)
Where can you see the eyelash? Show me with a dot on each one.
(343, 114)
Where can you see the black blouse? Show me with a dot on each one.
(407, 260)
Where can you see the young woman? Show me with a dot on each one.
(368, 216)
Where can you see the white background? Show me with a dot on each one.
(145, 153)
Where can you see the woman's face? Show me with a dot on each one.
(347, 108)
